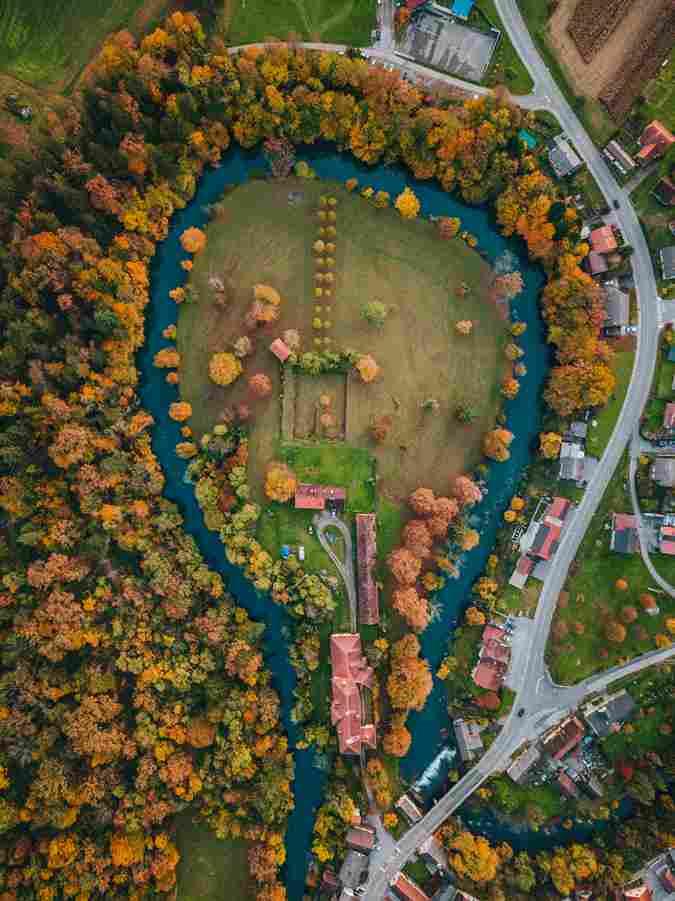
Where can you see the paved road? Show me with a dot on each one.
(540, 700)
(322, 522)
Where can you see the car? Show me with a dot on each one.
(521, 712)
(615, 204)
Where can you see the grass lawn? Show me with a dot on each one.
(210, 869)
(591, 599)
(342, 22)
(594, 116)
(506, 67)
(379, 256)
(515, 798)
(660, 94)
(598, 437)
(47, 42)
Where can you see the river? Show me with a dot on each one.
(523, 417)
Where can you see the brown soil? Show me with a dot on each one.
(590, 79)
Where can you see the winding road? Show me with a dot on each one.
(541, 701)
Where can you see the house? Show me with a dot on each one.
(524, 567)
(567, 785)
(409, 809)
(489, 674)
(563, 158)
(407, 889)
(318, 497)
(624, 538)
(522, 764)
(353, 869)
(638, 893)
(669, 416)
(280, 350)
(350, 673)
(654, 141)
(607, 713)
(462, 8)
(578, 430)
(563, 738)
(362, 838)
(467, 737)
(617, 307)
(663, 472)
(329, 883)
(667, 878)
(619, 156)
(667, 259)
(664, 192)
(366, 559)
(603, 239)
(667, 541)
(596, 263)
(493, 632)
(495, 651)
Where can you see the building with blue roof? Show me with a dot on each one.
(462, 8)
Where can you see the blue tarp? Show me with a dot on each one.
(462, 8)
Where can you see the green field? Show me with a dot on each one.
(660, 95)
(593, 598)
(210, 869)
(342, 22)
(48, 42)
(654, 219)
(598, 437)
(506, 67)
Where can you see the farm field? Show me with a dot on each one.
(263, 239)
(47, 42)
(578, 645)
(344, 22)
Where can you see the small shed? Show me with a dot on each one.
(280, 350)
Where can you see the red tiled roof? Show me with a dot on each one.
(413, 4)
(640, 893)
(361, 838)
(496, 651)
(280, 350)
(314, 497)
(561, 740)
(366, 557)
(489, 674)
(407, 890)
(667, 547)
(597, 263)
(350, 670)
(557, 510)
(491, 631)
(669, 416)
(603, 239)
(525, 565)
(623, 521)
(655, 140)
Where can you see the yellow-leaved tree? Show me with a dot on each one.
(407, 204)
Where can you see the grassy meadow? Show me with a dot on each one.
(341, 22)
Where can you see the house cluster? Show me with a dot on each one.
(653, 142)
(575, 465)
(351, 674)
(540, 540)
(493, 661)
(567, 754)
(659, 530)
(361, 840)
(656, 881)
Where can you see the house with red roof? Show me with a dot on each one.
(280, 349)
(638, 893)
(366, 559)
(654, 141)
(362, 838)
(317, 497)
(603, 239)
(351, 673)
(407, 889)
(596, 263)
(667, 540)
(624, 538)
(493, 633)
(563, 738)
(669, 416)
(489, 674)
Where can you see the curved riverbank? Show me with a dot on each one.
(523, 415)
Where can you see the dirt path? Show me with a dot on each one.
(590, 78)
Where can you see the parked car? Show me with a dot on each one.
(615, 204)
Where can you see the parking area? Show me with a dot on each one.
(441, 42)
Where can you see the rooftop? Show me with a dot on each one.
(617, 306)
(467, 736)
(523, 763)
(667, 258)
(663, 471)
(669, 416)
(624, 539)
(315, 497)
(280, 350)
(407, 806)
(603, 239)
(563, 737)
(407, 889)
(489, 674)
(362, 838)
(350, 672)
(597, 263)
(563, 157)
(606, 714)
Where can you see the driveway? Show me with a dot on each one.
(322, 522)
